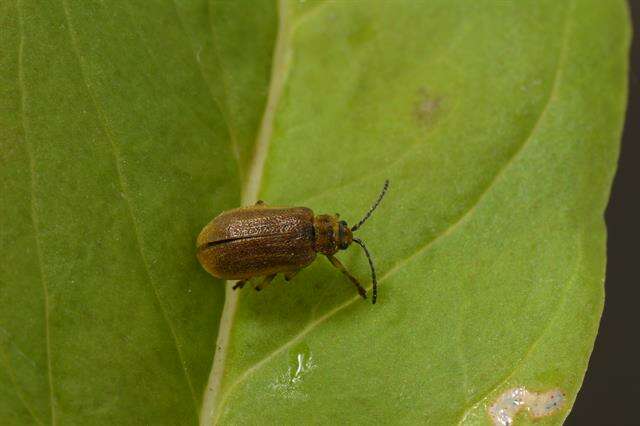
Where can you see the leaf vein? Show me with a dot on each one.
(534, 344)
(232, 135)
(34, 218)
(226, 115)
(310, 13)
(125, 191)
(10, 373)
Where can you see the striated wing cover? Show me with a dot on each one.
(257, 221)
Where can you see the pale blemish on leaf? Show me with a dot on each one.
(300, 364)
(511, 402)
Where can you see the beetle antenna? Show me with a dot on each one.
(375, 205)
(373, 269)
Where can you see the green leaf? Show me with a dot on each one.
(125, 127)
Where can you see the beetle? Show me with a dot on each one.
(263, 241)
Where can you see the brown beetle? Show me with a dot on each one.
(263, 241)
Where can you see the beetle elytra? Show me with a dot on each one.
(263, 241)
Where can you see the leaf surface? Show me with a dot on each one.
(125, 127)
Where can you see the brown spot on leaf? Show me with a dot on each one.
(426, 107)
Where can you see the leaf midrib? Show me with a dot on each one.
(210, 412)
(36, 228)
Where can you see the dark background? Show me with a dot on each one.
(611, 391)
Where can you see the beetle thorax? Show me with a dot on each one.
(331, 234)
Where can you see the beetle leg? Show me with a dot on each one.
(239, 284)
(335, 262)
(288, 276)
(265, 282)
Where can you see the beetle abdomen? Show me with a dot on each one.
(257, 241)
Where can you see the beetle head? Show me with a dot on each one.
(328, 234)
(345, 236)
(331, 235)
